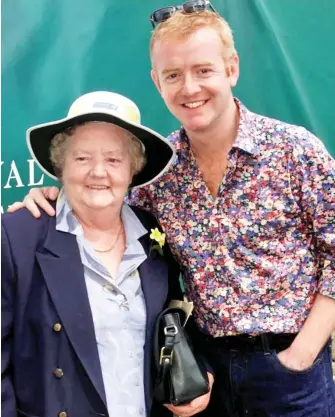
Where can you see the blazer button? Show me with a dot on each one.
(62, 414)
(57, 327)
(58, 372)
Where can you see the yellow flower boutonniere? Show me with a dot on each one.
(158, 237)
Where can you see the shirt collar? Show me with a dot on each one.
(67, 222)
(245, 138)
(245, 134)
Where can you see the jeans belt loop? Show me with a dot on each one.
(265, 343)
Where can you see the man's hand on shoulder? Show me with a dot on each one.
(35, 199)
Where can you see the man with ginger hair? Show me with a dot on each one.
(249, 212)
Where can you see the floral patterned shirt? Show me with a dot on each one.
(253, 257)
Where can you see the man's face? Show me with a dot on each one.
(194, 80)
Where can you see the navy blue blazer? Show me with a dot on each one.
(50, 363)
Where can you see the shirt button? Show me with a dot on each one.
(108, 288)
(130, 354)
(120, 298)
(62, 414)
(141, 411)
(137, 382)
(57, 327)
(58, 372)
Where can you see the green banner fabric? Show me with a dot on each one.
(54, 51)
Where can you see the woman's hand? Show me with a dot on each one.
(37, 197)
(195, 406)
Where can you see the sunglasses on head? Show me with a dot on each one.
(193, 6)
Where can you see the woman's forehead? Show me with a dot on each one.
(99, 134)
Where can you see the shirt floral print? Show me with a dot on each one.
(254, 257)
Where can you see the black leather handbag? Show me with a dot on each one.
(181, 375)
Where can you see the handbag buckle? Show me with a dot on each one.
(166, 357)
(166, 354)
(170, 330)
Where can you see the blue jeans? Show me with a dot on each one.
(253, 383)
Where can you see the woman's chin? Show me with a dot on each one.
(102, 203)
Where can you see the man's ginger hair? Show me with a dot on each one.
(182, 25)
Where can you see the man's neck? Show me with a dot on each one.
(220, 138)
(211, 148)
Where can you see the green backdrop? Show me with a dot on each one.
(55, 50)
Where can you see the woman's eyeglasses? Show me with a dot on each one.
(193, 6)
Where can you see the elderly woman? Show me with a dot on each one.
(81, 291)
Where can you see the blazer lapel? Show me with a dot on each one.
(154, 280)
(64, 276)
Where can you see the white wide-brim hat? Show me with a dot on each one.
(104, 106)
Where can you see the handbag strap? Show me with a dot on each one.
(166, 359)
(166, 355)
(161, 342)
